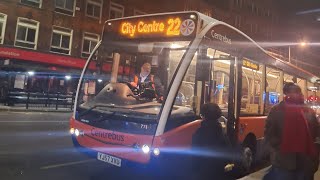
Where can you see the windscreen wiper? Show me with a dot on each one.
(94, 107)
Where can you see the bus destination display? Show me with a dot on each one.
(250, 65)
(161, 26)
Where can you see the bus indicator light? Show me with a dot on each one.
(71, 130)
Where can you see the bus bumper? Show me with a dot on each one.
(93, 154)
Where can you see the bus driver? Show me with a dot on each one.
(144, 78)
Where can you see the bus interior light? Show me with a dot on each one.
(145, 149)
(145, 47)
(192, 16)
(175, 46)
(99, 80)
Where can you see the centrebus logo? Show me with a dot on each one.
(111, 136)
(220, 37)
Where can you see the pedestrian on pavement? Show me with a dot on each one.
(210, 145)
(4, 92)
(291, 131)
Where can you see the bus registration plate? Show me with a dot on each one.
(109, 159)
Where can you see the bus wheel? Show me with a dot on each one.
(247, 154)
(246, 159)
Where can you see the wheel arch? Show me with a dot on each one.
(250, 141)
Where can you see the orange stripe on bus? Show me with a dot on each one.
(179, 137)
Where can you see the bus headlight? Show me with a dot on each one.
(76, 132)
(156, 151)
(145, 149)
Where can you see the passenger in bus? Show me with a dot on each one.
(145, 77)
(291, 131)
(210, 145)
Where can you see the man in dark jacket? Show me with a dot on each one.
(210, 145)
(291, 130)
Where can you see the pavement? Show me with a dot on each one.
(259, 174)
(256, 175)
(33, 108)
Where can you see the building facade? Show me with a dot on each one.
(53, 38)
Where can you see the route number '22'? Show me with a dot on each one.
(174, 27)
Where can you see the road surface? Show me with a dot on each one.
(37, 146)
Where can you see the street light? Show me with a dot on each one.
(302, 44)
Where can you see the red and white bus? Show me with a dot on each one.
(198, 59)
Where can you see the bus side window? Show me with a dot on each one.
(185, 96)
(274, 86)
(219, 80)
(252, 88)
(303, 85)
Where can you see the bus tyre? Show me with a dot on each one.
(247, 154)
(247, 158)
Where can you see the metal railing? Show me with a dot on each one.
(40, 100)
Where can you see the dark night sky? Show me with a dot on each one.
(297, 5)
(308, 26)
